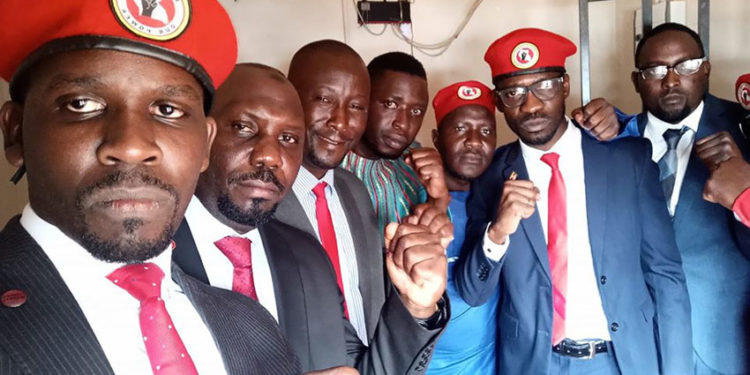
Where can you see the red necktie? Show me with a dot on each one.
(237, 250)
(165, 349)
(327, 234)
(557, 245)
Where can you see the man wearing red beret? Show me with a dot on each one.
(465, 138)
(107, 118)
(577, 238)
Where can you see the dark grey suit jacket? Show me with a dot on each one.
(49, 334)
(310, 308)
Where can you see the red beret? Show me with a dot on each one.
(526, 51)
(196, 35)
(742, 88)
(461, 94)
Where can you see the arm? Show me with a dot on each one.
(605, 122)
(662, 270)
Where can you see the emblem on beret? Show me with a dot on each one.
(524, 55)
(160, 20)
(743, 95)
(469, 93)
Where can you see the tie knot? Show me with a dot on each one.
(320, 190)
(142, 280)
(551, 159)
(236, 249)
(672, 136)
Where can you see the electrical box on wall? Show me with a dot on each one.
(384, 11)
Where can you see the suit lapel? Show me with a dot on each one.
(532, 226)
(290, 211)
(186, 253)
(49, 333)
(356, 227)
(595, 155)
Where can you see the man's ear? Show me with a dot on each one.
(566, 85)
(498, 103)
(11, 119)
(211, 135)
(634, 79)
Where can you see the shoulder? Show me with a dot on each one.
(715, 105)
(350, 181)
(14, 240)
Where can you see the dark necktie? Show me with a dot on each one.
(328, 234)
(165, 349)
(557, 245)
(668, 162)
(237, 250)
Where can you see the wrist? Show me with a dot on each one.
(497, 236)
(441, 202)
(420, 312)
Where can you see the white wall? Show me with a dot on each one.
(270, 31)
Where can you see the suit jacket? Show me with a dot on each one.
(49, 334)
(636, 262)
(310, 307)
(715, 248)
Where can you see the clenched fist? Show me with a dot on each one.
(429, 167)
(517, 202)
(599, 118)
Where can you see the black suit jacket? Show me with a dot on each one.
(310, 308)
(49, 334)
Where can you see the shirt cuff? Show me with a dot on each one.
(493, 251)
(438, 320)
(741, 207)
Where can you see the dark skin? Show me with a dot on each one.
(260, 127)
(333, 85)
(466, 139)
(674, 97)
(398, 103)
(730, 173)
(111, 154)
(334, 88)
(539, 124)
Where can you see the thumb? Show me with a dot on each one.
(390, 232)
(707, 194)
(577, 115)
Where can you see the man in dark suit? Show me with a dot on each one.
(255, 159)
(605, 293)
(672, 80)
(112, 156)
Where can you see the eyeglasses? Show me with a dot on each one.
(683, 68)
(544, 90)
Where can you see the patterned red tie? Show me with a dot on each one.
(237, 250)
(165, 349)
(327, 234)
(557, 245)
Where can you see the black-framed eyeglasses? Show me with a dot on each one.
(544, 90)
(682, 68)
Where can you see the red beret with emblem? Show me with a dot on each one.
(526, 51)
(742, 90)
(461, 94)
(196, 35)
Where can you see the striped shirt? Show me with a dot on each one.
(393, 185)
(302, 188)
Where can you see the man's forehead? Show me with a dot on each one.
(670, 44)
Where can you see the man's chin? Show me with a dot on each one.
(128, 248)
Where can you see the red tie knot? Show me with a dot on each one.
(320, 190)
(141, 280)
(551, 158)
(236, 249)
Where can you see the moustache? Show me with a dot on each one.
(263, 174)
(135, 177)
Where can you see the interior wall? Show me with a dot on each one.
(270, 31)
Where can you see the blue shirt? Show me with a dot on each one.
(467, 345)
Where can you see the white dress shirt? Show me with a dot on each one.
(302, 188)
(585, 317)
(206, 230)
(654, 131)
(112, 312)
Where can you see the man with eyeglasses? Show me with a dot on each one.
(574, 232)
(692, 134)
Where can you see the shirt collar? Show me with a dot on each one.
(691, 121)
(570, 138)
(305, 182)
(71, 258)
(201, 220)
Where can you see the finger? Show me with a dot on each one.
(529, 194)
(710, 138)
(404, 229)
(520, 209)
(526, 184)
(425, 161)
(430, 171)
(390, 232)
(707, 192)
(428, 270)
(411, 241)
(577, 115)
(427, 216)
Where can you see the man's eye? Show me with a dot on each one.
(323, 99)
(168, 111)
(486, 131)
(417, 111)
(286, 138)
(390, 104)
(460, 128)
(84, 105)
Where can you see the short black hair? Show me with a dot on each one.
(396, 62)
(669, 26)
